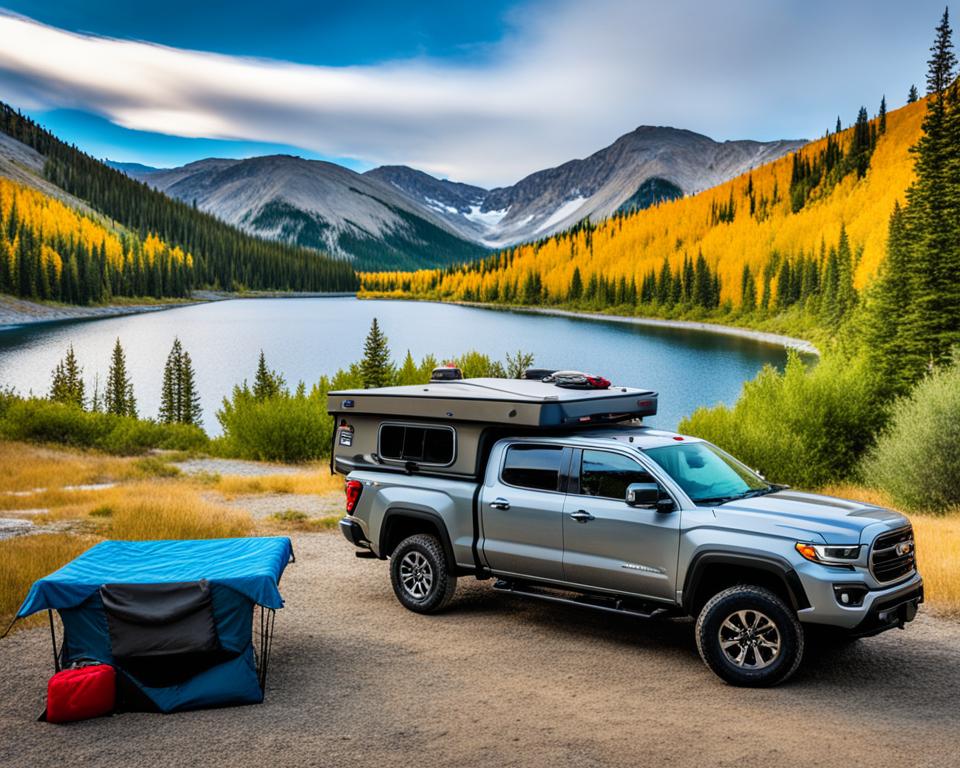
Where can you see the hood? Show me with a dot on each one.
(811, 516)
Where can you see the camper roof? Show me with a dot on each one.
(500, 401)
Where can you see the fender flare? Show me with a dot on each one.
(394, 514)
(777, 566)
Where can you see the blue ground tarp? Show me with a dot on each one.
(220, 581)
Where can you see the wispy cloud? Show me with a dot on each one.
(567, 78)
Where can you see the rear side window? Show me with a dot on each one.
(533, 466)
(422, 445)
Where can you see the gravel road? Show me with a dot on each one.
(357, 680)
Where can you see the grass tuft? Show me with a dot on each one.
(25, 559)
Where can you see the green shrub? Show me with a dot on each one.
(37, 420)
(287, 427)
(917, 458)
(803, 427)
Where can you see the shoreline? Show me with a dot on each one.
(17, 313)
(764, 337)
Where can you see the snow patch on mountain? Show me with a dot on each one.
(563, 212)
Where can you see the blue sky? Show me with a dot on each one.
(483, 92)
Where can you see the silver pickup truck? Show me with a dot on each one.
(572, 499)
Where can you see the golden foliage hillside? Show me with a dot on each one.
(763, 224)
(60, 228)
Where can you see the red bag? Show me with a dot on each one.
(78, 694)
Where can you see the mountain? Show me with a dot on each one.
(808, 229)
(145, 224)
(316, 204)
(395, 217)
(131, 168)
(646, 166)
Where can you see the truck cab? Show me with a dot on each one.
(596, 509)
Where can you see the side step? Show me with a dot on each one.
(611, 604)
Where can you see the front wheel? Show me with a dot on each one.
(748, 636)
(420, 574)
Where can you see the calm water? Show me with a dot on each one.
(304, 338)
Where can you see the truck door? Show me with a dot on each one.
(522, 511)
(609, 544)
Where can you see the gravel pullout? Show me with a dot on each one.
(356, 680)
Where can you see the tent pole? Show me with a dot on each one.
(53, 639)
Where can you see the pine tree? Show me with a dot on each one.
(576, 285)
(912, 96)
(886, 332)
(179, 399)
(267, 384)
(375, 368)
(409, 372)
(190, 410)
(748, 290)
(933, 213)
(96, 400)
(942, 58)
(170, 392)
(119, 398)
(839, 125)
(67, 383)
(883, 115)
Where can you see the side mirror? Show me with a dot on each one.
(648, 496)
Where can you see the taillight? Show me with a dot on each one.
(352, 489)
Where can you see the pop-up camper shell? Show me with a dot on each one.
(441, 427)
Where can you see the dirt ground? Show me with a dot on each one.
(357, 680)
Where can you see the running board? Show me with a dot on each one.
(597, 602)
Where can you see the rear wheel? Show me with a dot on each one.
(748, 636)
(420, 574)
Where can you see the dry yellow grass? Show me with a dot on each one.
(166, 510)
(25, 559)
(145, 503)
(34, 476)
(938, 550)
(319, 481)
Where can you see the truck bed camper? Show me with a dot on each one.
(442, 427)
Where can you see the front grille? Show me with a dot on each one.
(887, 563)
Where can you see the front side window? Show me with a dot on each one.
(706, 474)
(533, 466)
(421, 445)
(607, 474)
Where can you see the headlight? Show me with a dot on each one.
(829, 554)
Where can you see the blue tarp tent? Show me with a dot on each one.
(175, 618)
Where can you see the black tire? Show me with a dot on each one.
(421, 575)
(749, 637)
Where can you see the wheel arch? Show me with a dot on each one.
(711, 572)
(400, 523)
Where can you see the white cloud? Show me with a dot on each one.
(567, 79)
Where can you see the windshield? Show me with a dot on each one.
(707, 475)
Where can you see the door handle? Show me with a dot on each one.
(500, 503)
(582, 516)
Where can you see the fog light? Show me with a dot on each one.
(850, 595)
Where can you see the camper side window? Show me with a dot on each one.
(421, 445)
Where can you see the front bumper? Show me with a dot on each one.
(890, 612)
(870, 617)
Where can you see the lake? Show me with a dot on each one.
(306, 337)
